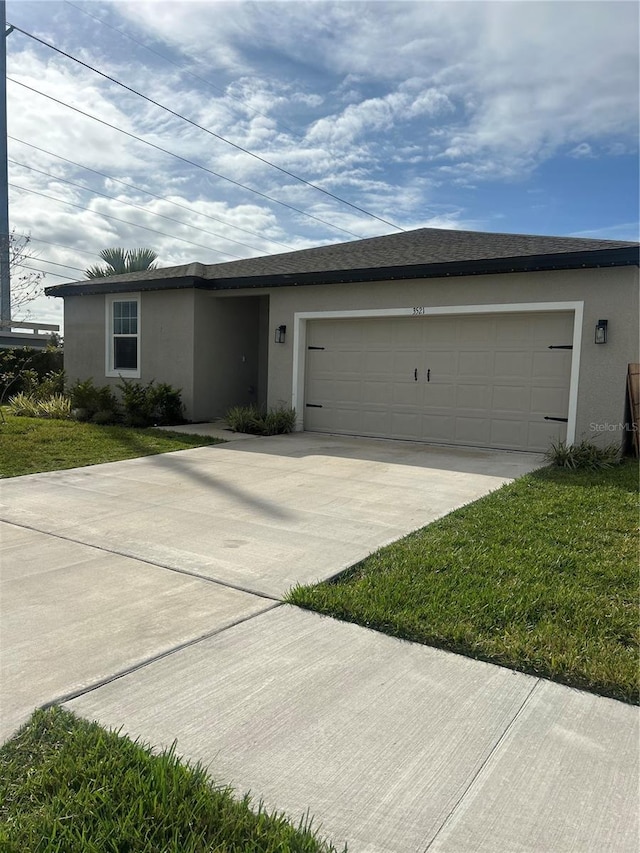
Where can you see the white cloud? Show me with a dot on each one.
(405, 109)
(581, 151)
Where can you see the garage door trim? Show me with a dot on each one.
(300, 335)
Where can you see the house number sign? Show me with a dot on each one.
(418, 311)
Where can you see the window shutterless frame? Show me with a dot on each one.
(122, 315)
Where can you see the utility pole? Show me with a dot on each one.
(5, 273)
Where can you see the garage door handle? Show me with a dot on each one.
(415, 374)
(429, 375)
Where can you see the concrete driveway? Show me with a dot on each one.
(146, 594)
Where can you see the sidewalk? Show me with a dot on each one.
(392, 746)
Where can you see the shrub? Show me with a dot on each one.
(55, 406)
(168, 404)
(257, 421)
(583, 455)
(150, 404)
(136, 403)
(43, 387)
(16, 361)
(87, 400)
(105, 416)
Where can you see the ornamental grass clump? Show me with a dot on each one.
(27, 405)
(584, 455)
(256, 421)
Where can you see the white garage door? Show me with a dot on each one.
(489, 380)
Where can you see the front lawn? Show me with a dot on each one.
(30, 445)
(540, 576)
(70, 786)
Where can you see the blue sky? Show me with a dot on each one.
(495, 116)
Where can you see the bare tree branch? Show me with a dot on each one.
(26, 283)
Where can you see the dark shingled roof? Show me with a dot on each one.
(425, 252)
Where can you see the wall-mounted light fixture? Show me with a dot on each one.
(281, 332)
(601, 331)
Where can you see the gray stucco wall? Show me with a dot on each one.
(166, 340)
(228, 366)
(230, 326)
(607, 294)
(227, 362)
(84, 339)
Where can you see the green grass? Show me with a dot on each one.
(70, 786)
(540, 576)
(30, 445)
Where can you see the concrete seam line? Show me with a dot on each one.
(145, 560)
(483, 765)
(75, 694)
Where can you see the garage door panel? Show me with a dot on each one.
(469, 331)
(348, 361)
(512, 363)
(475, 363)
(553, 330)
(376, 422)
(405, 424)
(543, 433)
(405, 362)
(438, 335)
(378, 362)
(319, 419)
(439, 395)
(347, 419)
(549, 401)
(512, 330)
(343, 391)
(492, 378)
(472, 430)
(473, 397)
(443, 364)
(350, 333)
(510, 398)
(407, 394)
(511, 434)
(407, 335)
(552, 364)
(377, 392)
(439, 427)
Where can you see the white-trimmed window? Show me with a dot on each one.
(123, 335)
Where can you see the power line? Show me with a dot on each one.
(59, 245)
(177, 65)
(55, 264)
(184, 159)
(126, 222)
(207, 130)
(162, 197)
(131, 204)
(46, 272)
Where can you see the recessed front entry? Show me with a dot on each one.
(489, 380)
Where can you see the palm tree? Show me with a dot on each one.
(123, 261)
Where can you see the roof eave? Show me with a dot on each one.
(627, 256)
(91, 288)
